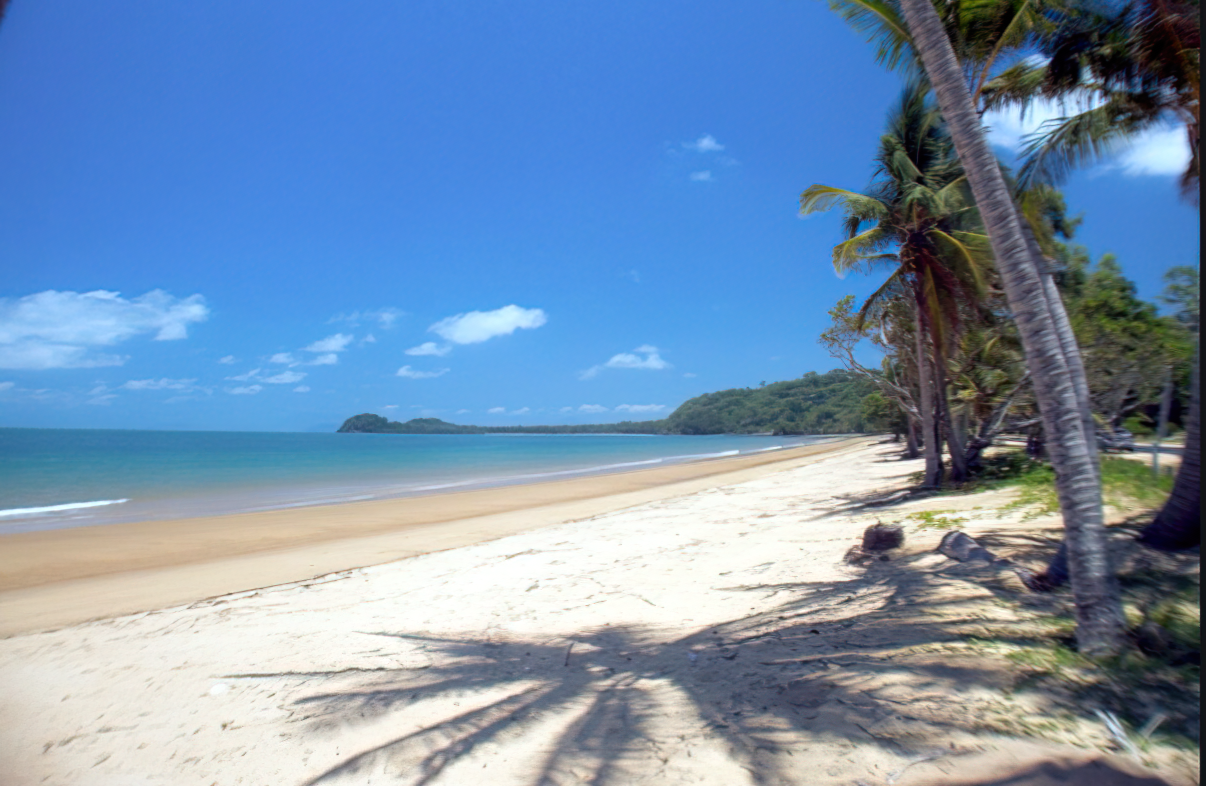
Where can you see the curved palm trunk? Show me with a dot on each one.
(1100, 622)
(1179, 523)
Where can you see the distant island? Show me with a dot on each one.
(831, 403)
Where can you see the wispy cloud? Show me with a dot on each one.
(702, 177)
(228, 360)
(593, 409)
(159, 384)
(285, 378)
(249, 390)
(641, 409)
(328, 359)
(302, 389)
(283, 357)
(383, 317)
(475, 327)
(255, 372)
(522, 411)
(705, 144)
(410, 373)
(336, 343)
(430, 348)
(6, 386)
(55, 329)
(644, 357)
(496, 411)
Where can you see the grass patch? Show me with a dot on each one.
(1124, 480)
(934, 519)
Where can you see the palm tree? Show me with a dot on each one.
(920, 221)
(1100, 622)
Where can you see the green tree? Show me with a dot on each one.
(917, 220)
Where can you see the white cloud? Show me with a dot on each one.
(369, 339)
(160, 384)
(336, 343)
(462, 412)
(522, 411)
(255, 372)
(640, 409)
(705, 144)
(1160, 151)
(702, 177)
(6, 386)
(430, 348)
(643, 357)
(285, 378)
(592, 408)
(102, 401)
(283, 357)
(564, 410)
(54, 329)
(250, 390)
(410, 373)
(331, 358)
(689, 375)
(384, 317)
(228, 360)
(302, 389)
(496, 410)
(390, 406)
(478, 326)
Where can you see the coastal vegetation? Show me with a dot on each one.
(832, 403)
(1077, 344)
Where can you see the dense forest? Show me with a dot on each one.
(831, 403)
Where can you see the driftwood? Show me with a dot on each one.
(964, 548)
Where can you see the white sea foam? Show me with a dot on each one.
(59, 508)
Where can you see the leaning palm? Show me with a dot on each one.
(1051, 353)
(917, 220)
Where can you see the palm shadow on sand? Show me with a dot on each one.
(823, 671)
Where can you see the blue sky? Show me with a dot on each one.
(243, 215)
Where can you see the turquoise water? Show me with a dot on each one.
(52, 478)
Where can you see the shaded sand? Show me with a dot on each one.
(58, 577)
(715, 637)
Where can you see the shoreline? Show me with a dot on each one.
(52, 578)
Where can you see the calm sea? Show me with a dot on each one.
(52, 478)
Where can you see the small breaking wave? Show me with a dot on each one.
(16, 512)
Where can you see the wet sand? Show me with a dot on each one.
(53, 578)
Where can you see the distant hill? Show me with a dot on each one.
(814, 404)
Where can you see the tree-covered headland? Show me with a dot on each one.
(832, 403)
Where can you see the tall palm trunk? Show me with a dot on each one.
(1179, 523)
(954, 439)
(1100, 623)
(931, 446)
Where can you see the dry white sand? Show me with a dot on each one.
(714, 638)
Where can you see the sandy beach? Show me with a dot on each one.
(695, 624)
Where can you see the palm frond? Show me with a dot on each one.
(1063, 144)
(883, 24)
(818, 198)
(878, 296)
(857, 250)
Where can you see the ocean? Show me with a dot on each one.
(57, 478)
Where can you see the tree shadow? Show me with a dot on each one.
(838, 664)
